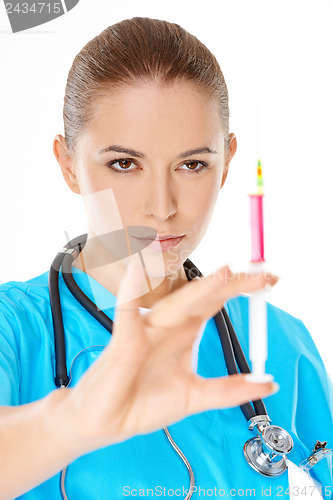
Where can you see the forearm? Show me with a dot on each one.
(36, 442)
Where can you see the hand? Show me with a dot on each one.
(143, 380)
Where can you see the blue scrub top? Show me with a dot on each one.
(212, 441)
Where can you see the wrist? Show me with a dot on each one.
(63, 422)
(75, 430)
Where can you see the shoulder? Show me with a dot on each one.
(282, 326)
(238, 310)
(39, 281)
(15, 295)
(23, 303)
(292, 354)
(24, 316)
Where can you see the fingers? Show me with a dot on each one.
(203, 298)
(127, 312)
(226, 392)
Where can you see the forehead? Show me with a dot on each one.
(155, 118)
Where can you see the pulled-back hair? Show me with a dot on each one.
(134, 50)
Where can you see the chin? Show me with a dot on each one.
(161, 266)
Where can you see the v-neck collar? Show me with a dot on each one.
(97, 293)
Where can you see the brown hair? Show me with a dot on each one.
(139, 49)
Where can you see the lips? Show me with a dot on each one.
(161, 242)
(161, 238)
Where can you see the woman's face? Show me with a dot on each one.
(152, 157)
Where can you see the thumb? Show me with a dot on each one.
(229, 391)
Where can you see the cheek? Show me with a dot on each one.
(208, 200)
(94, 178)
(127, 208)
(102, 210)
(198, 207)
(201, 202)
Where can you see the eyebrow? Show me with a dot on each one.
(132, 152)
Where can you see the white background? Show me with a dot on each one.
(277, 61)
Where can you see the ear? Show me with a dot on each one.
(66, 163)
(232, 151)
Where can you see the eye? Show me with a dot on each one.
(124, 165)
(193, 164)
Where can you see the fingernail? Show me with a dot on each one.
(275, 388)
(225, 269)
(271, 281)
(228, 272)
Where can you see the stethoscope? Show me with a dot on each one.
(265, 452)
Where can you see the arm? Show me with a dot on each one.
(142, 381)
(314, 411)
(36, 442)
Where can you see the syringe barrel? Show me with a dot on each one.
(258, 327)
(257, 227)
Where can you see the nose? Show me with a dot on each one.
(160, 196)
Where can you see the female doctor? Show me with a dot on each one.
(146, 144)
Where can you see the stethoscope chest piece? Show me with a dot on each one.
(266, 452)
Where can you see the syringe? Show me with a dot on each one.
(257, 300)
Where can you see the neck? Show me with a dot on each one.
(109, 272)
